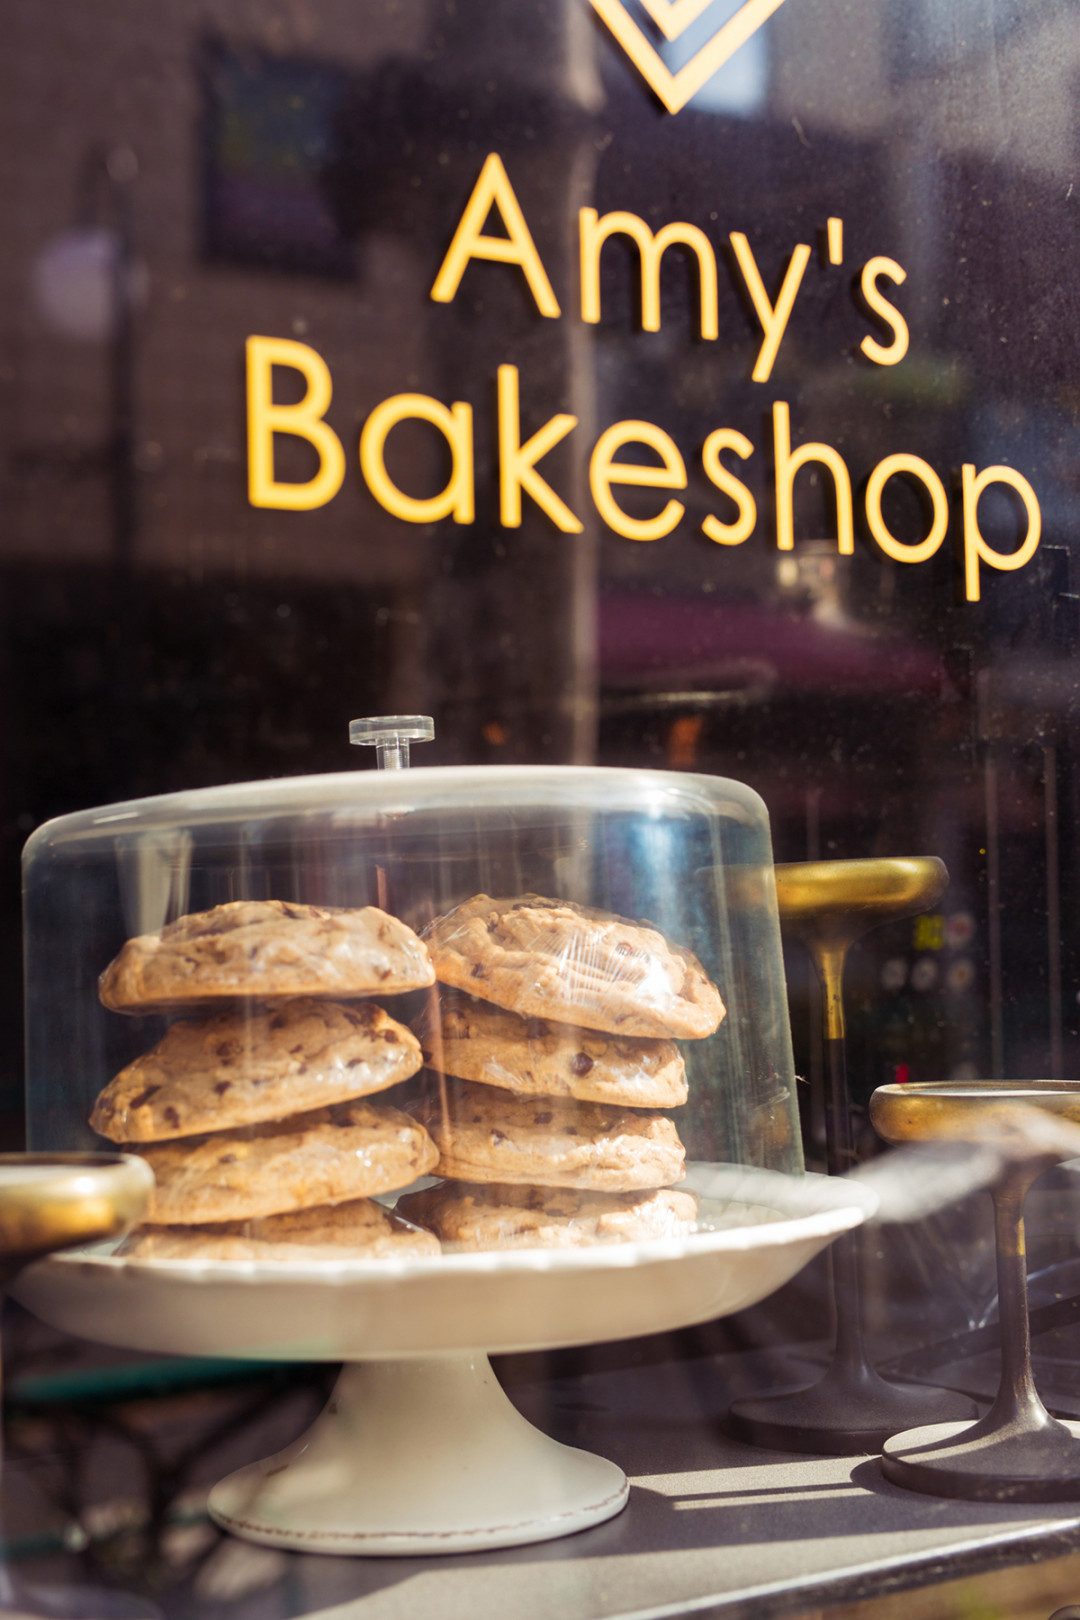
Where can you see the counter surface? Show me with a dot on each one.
(712, 1528)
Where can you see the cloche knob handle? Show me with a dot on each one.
(390, 736)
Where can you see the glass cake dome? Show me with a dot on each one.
(552, 989)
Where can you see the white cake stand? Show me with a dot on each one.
(419, 1451)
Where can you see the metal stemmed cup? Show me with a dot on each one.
(829, 905)
(1017, 1452)
(52, 1201)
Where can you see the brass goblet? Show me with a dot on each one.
(51, 1201)
(829, 905)
(1017, 1452)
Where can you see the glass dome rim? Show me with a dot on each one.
(164, 810)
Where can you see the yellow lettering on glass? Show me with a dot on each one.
(493, 190)
(455, 424)
(788, 463)
(728, 534)
(303, 420)
(976, 549)
(604, 471)
(911, 467)
(773, 317)
(517, 461)
(878, 304)
(651, 249)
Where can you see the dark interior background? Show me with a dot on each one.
(174, 179)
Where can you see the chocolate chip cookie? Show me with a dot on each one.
(246, 1065)
(357, 1230)
(537, 1057)
(507, 1217)
(488, 1135)
(266, 948)
(551, 959)
(353, 1150)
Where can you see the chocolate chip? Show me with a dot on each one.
(580, 1063)
(478, 971)
(572, 1130)
(172, 1117)
(278, 1021)
(353, 1063)
(222, 1087)
(390, 1038)
(543, 1119)
(497, 1137)
(384, 974)
(144, 1097)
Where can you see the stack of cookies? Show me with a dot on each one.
(557, 1028)
(252, 1113)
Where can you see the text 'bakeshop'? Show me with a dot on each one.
(665, 470)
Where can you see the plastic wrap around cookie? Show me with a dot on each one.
(541, 1104)
(476, 1040)
(244, 1067)
(550, 1076)
(254, 1118)
(265, 948)
(546, 958)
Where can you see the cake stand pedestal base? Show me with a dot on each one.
(418, 1457)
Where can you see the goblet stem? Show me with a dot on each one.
(851, 1408)
(1017, 1405)
(839, 1137)
(850, 1352)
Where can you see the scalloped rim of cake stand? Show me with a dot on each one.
(490, 1301)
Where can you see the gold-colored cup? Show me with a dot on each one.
(831, 904)
(968, 1110)
(52, 1201)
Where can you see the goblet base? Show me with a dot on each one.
(962, 1460)
(844, 1414)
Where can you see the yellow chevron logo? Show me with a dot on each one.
(674, 17)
